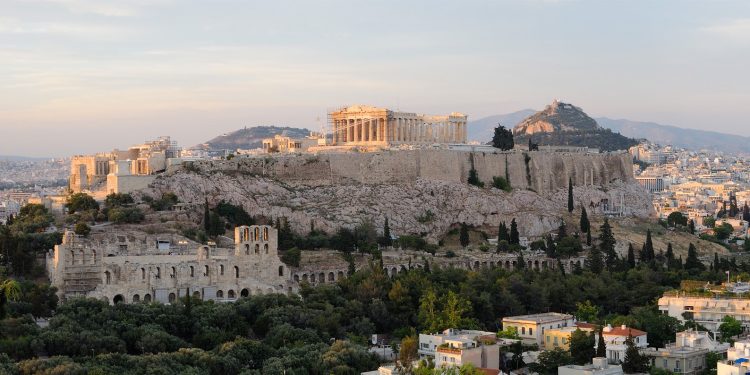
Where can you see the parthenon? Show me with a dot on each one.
(372, 126)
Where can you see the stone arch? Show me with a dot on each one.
(258, 291)
(221, 269)
(236, 272)
(136, 298)
(331, 277)
(476, 265)
(492, 264)
(312, 277)
(172, 297)
(536, 264)
(93, 256)
(158, 272)
(265, 234)
(174, 273)
(257, 248)
(107, 278)
(394, 271)
(143, 274)
(340, 275)
(281, 270)
(247, 249)
(322, 277)
(304, 277)
(402, 269)
(296, 278)
(206, 270)
(197, 294)
(513, 263)
(529, 264)
(219, 293)
(147, 298)
(192, 271)
(256, 233)
(206, 252)
(270, 290)
(544, 264)
(83, 257)
(244, 293)
(72, 257)
(230, 294)
(265, 248)
(118, 299)
(507, 264)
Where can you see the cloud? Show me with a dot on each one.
(734, 30)
(68, 29)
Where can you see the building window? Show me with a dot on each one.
(531, 331)
(523, 330)
(143, 274)
(221, 269)
(265, 247)
(236, 272)
(192, 271)
(158, 272)
(205, 272)
(174, 273)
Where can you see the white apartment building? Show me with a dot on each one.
(531, 327)
(459, 347)
(598, 366)
(614, 338)
(707, 311)
(687, 355)
(738, 360)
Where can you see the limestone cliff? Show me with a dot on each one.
(421, 192)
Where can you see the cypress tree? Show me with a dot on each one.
(692, 263)
(464, 235)
(502, 233)
(746, 212)
(387, 233)
(570, 194)
(206, 217)
(649, 247)
(594, 260)
(670, 257)
(679, 262)
(520, 262)
(607, 242)
(717, 263)
(551, 247)
(691, 226)
(588, 238)
(514, 236)
(601, 346)
(562, 231)
(631, 256)
(561, 267)
(634, 362)
(585, 224)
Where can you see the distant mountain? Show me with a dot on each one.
(563, 124)
(678, 137)
(248, 138)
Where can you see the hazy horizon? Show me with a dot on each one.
(81, 76)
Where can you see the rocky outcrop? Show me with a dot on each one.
(421, 192)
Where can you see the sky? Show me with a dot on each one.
(80, 76)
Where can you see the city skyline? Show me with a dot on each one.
(111, 74)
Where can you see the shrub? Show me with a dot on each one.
(501, 183)
(123, 215)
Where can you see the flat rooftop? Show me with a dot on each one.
(539, 318)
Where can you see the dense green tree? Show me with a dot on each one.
(634, 362)
(387, 240)
(10, 290)
(464, 235)
(81, 202)
(548, 361)
(125, 215)
(206, 217)
(82, 229)
(723, 231)
(677, 219)
(474, 178)
(729, 328)
(581, 347)
(649, 247)
(501, 183)
(586, 312)
(502, 233)
(32, 218)
(503, 138)
(691, 226)
(118, 200)
(670, 260)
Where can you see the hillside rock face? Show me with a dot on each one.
(556, 117)
(563, 124)
(421, 192)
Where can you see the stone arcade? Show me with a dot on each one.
(77, 268)
(361, 125)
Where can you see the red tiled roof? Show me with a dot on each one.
(619, 331)
(584, 325)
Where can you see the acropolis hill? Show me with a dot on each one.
(420, 191)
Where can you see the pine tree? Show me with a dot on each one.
(570, 194)
(387, 241)
(594, 260)
(585, 224)
(670, 257)
(206, 217)
(464, 235)
(631, 256)
(601, 346)
(514, 236)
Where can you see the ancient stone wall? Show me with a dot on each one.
(542, 172)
